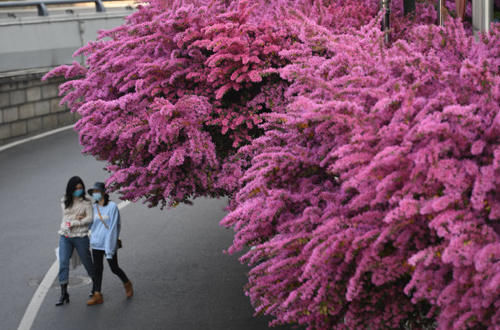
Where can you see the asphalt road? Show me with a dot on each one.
(174, 257)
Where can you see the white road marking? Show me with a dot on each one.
(38, 297)
(36, 137)
(43, 289)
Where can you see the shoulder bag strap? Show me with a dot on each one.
(100, 217)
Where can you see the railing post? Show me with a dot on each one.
(99, 7)
(42, 9)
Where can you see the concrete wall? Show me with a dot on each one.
(29, 47)
(49, 41)
(29, 106)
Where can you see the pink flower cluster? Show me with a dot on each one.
(363, 177)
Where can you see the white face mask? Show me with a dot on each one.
(97, 196)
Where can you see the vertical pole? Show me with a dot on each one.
(440, 12)
(482, 15)
(386, 21)
(460, 6)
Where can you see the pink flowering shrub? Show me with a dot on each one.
(373, 201)
(362, 176)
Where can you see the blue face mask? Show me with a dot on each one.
(78, 193)
(97, 196)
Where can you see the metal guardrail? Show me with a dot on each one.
(42, 4)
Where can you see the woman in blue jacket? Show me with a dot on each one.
(104, 235)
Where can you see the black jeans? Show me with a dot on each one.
(98, 256)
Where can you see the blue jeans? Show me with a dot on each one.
(66, 245)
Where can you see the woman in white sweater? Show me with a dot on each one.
(77, 215)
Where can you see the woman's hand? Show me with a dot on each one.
(81, 216)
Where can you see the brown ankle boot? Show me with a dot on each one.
(96, 299)
(129, 291)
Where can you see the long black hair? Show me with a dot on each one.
(106, 198)
(70, 188)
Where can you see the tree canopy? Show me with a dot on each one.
(363, 177)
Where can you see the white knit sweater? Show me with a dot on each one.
(79, 228)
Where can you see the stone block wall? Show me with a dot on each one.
(29, 106)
